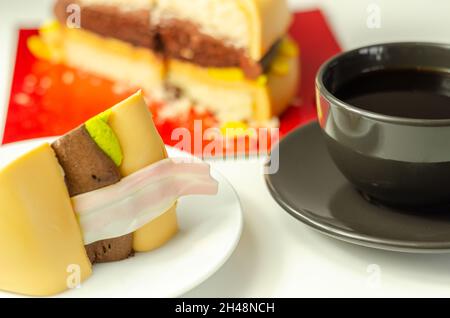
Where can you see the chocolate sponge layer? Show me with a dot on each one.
(183, 40)
(110, 250)
(88, 168)
(132, 27)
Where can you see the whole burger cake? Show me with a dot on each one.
(231, 58)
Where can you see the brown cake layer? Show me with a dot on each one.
(172, 38)
(110, 250)
(88, 168)
(131, 26)
(183, 40)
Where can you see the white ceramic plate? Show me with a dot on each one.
(210, 229)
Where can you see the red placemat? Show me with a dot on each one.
(49, 100)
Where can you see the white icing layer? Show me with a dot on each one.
(222, 19)
(136, 200)
(127, 5)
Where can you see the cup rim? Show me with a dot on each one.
(369, 114)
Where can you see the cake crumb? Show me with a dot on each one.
(29, 83)
(179, 108)
(120, 88)
(96, 81)
(68, 77)
(22, 99)
(45, 83)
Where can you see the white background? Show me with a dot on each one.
(278, 256)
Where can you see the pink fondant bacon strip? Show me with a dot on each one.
(138, 199)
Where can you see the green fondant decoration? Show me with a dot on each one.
(104, 136)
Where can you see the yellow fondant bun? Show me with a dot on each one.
(41, 243)
(269, 21)
(142, 146)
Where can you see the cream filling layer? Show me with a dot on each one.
(136, 200)
(225, 20)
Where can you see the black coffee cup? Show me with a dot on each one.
(395, 160)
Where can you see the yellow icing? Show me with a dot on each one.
(226, 74)
(289, 48)
(236, 129)
(282, 62)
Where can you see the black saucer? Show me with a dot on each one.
(310, 187)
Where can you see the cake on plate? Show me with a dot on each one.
(98, 194)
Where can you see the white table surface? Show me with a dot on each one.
(278, 256)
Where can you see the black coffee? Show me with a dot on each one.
(401, 93)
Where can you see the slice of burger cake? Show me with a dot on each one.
(98, 194)
(230, 57)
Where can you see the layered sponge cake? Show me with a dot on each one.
(231, 58)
